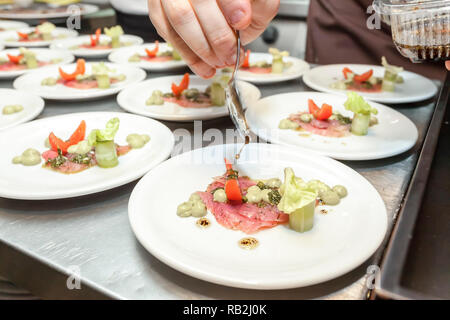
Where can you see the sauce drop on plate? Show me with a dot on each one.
(248, 243)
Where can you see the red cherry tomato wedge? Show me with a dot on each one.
(80, 70)
(363, 77)
(184, 84)
(246, 63)
(23, 36)
(232, 189)
(15, 59)
(78, 135)
(313, 108)
(95, 39)
(324, 113)
(152, 53)
(56, 143)
(346, 71)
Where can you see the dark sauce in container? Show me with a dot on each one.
(434, 46)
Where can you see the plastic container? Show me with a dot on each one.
(420, 28)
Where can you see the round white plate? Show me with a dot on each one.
(339, 241)
(11, 39)
(394, 134)
(37, 183)
(133, 99)
(298, 68)
(36, 14)
(67, 44)
(32, 107)
(6, 25)
(45, 55)
(415, 88)
(123, 55)
(31, 82)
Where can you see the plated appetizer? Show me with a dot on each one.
(367, 82)
(152, 56)
(182, 98)
(155, 55)
(15, 62)
(241, 203)
(277, 65)
(260, 216)
(323, 121)
(186, 97)
(274, 66)
(343, 127)
(79, 81)
(39, 36)
(98, 45)
(385, 84)
(77, 153)
(102, 77)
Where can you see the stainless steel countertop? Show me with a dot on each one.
(41, 241)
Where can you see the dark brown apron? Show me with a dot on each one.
(338, 33)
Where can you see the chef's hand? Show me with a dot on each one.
(447, 64)
(201, 30)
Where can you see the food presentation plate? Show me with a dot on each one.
(340, 241)
(38, 183)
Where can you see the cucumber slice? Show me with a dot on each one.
(302, 220)
(106, 154)
(103, 81)
(217, 94)
(360, 124)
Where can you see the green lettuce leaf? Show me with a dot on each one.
(296, 193)
(357, 104)
(107, 134)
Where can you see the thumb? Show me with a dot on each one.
(237, 12)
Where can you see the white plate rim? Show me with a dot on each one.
(267, 285)
(38, 108)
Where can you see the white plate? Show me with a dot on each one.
(12, 25)
(394, 134)
(122, 55)
(339, 242)
(416, 87)
(32, 107)
(133, 99)
(45, 55)
(66, 44)
(37, 183)
(31, 82)
(7, 36)
(298, 68)
(81, 8)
